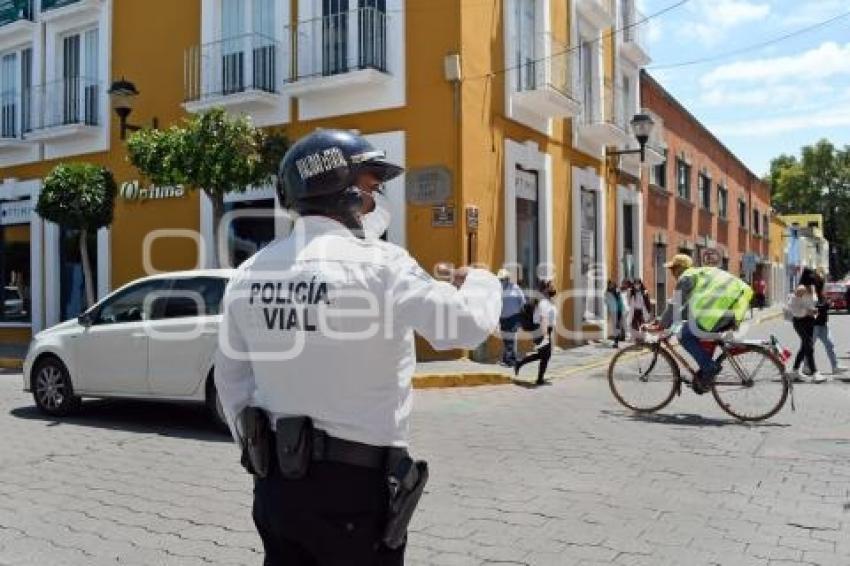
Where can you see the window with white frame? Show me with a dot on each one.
(339, 42)
(705, 191)
(73, 98)
(587, 78)
(526, 18)
(722, 202)
(15, 92)
(247, 48)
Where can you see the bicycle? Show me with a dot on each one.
(757, 376)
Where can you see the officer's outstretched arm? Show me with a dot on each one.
(444, 315)
(234, 374)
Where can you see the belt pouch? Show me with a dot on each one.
(255, 437)
(294, 437)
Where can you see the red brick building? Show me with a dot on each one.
(702, 201)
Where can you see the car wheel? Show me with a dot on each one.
(214, 405)
(52, 388)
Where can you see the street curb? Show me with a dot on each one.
(459, 379)
(11, 363)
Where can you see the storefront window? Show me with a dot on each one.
(527, 227)
(15, 265)
(249, 231)
(72, 287)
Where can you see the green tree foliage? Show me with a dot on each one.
(817, 182)
(79, 196)
(211, 151)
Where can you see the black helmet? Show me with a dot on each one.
(317, 174)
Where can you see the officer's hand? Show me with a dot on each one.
(447, 272)
(459, 276)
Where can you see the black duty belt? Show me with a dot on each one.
(332, 449)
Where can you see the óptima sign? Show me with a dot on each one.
(133, 191)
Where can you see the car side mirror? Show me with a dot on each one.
(85, 319)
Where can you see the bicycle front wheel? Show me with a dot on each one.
(752, 385)
(643, 378)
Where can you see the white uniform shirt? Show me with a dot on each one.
(545, 312)
(320, 323)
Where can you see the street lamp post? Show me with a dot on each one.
(123, 95)
(642, 125)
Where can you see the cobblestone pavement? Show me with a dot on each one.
(555, 475)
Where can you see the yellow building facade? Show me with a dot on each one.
(501, 113)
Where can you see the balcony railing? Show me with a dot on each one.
(15, 114)
(552, 71)
(341, 43)
(14, 10)
(53, 4)
(231, 66)
(66, 102)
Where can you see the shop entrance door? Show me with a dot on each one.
(527, 227)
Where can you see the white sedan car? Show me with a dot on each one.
(154, 338)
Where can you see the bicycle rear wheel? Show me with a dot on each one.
(760, 392)
(643, 379)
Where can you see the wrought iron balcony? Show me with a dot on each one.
(15, 10)
(64, 107)
(342, 49)
(15, 116)
(544, 80)
(237, 71)
(604, 120)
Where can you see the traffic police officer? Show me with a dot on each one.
(317, 336)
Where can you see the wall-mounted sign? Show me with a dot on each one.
(443, 216)
(428, 186)
(525, 184)
(133, 191)
(471, 219)
(15, 212)
(710, 258)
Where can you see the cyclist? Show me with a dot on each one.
(707, 301)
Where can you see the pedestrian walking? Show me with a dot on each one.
(639, 304)
(545, 315)
(760, 288)
(513, 300)
(802, 307)
(317, 391)
(821, 328)
(616, 313)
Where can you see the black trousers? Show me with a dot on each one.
(805, 328)
(542, 354)
(333, 517)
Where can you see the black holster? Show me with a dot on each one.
(254, 432)
(406, 480)
(294, 443)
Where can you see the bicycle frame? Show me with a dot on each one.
(681, 362)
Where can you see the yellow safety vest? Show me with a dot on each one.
(717, 297)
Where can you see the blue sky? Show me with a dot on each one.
(764, 102)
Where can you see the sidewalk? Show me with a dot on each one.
(564, 362)
(12, 355)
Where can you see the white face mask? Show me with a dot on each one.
(377, 222)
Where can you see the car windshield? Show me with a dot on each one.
(835, 288)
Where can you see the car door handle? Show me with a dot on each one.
(138, 335)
